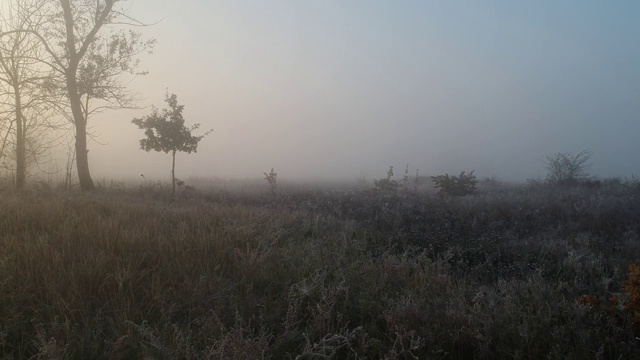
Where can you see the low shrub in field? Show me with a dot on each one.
(632, 287)
(464, 184)
(627, 301)
(568, 168)
(387, 185)
(272, 180)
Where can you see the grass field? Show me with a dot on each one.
(514, 272)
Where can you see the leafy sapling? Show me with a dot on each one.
(166, 132)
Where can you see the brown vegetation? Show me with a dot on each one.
(508, 273)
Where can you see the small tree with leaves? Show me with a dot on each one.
(568, 168)
(166, 132)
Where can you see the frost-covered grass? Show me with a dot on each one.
(317, 273)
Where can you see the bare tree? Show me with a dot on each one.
(90, 56)
(23, 78)
(568, 168)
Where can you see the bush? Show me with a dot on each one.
(632, 287)
(568, 168)
(272, 179)
(462, 185)
(386, 184)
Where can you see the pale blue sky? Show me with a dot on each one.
(336, 88)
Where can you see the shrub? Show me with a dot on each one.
(568, 168)
(405, 178)
(272, 180)
(462, 185)
(386, 184)
(632, 287)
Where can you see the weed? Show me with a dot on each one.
(271, 179)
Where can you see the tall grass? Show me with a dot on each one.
(347, 274)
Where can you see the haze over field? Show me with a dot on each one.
(334, 89)
(286, 235)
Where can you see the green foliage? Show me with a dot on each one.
(568, 168)
(166, 131)
(462, 185)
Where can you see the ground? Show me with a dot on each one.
(317, 272)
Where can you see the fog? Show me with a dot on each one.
(337, 90)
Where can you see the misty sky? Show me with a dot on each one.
(335, 89)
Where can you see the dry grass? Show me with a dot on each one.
(318, 274)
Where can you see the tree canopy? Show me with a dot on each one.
(166, 132)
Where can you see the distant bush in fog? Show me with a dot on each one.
(568, 168)
(464, 184)
(272, 179)
(387, 184)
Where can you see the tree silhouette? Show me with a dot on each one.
(89, 55)
(166, 132)
(25, 92)
(568, 168)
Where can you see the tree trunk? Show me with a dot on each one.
(82, 156)
(173, 174)
(80, 122)
(75, 100)
(21, 158)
